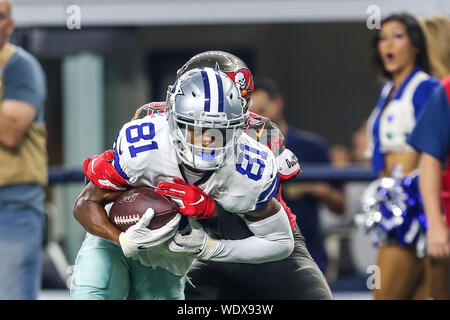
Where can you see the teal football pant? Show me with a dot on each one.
(101, 271)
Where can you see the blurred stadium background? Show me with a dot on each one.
(125, 53)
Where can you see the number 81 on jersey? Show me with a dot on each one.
(145, 131)
(250, 162)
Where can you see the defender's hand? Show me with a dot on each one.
(194, 202)
(100, 171)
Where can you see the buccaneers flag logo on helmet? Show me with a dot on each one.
(243, 80)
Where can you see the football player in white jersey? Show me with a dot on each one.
(200, 139)
(296, 277)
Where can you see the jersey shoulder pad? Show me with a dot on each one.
(149, 109)
(288, 165)
(266, 132)
(255, 116)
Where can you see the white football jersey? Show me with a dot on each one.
(145, 155)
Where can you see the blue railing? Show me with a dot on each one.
(310, 172)
(320, 172)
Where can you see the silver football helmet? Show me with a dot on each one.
(205, 113)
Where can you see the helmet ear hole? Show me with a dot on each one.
(193, 94)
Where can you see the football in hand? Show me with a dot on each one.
(132, 204)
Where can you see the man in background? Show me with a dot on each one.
(23, 165)
(303, 198)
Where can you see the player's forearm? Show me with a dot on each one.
(253, 250)
(92, 216)
(273, 240)
(430, 188)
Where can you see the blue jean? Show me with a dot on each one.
(20, 253)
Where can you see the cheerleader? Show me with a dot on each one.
(400, 54)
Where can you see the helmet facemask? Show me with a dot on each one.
(189, 138)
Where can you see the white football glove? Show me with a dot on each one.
(197, 243)
(138, 237)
